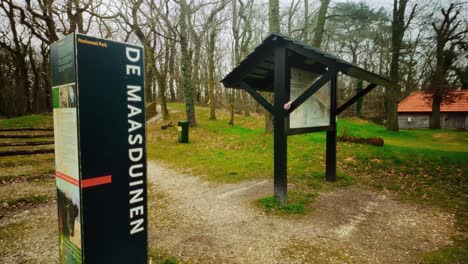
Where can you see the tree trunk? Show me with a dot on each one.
(161, 79)
(320, 27)
(180, 84)
(186, 64)
(22, 104)
(274, 26)
(235, 33)
(245, 103)
(359, 87)
(196, 72)
(172, 71)
(273, 17)
(434, 122)
(161, 76)
(211, 69)
(149, 75)
(305, 30)
(232, 100)
(36, 84)
(46, 76)
(392, 94)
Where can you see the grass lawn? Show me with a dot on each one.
(26, 166)
(422, 166)
(37, 121)
(425, 165)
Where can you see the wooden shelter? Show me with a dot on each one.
(295, 72)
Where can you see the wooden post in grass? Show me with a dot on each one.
(281, 85)
(330, 173)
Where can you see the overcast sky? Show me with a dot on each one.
(387, 4)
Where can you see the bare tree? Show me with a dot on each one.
(18, 50)
(450, 32)
(130, 15)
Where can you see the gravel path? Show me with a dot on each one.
(202, 222)
(30, 236)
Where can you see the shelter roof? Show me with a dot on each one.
(257, 69)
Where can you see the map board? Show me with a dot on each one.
(315, 111)
(100, 150)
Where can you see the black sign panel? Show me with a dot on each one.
(110, 117)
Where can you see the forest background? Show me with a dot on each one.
(191, 44)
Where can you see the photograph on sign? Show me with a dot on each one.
(69, 211)
(315, 111)
(63, 97)
(71, 96)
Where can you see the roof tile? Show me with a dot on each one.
(419, 102)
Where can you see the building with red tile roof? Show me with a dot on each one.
(414, 111)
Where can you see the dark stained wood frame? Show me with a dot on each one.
(281, 50)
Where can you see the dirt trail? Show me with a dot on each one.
(30, 236)
(202, 222)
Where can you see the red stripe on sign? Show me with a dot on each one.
(96, 181)
(67, 178)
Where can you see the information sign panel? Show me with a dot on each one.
(100, 153)
(315, 111)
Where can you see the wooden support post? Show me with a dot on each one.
(331, 134)
(281, 86)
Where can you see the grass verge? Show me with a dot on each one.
(270, 205)
(456, 254)
(162, 257)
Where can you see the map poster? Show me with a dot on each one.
(315, 111)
